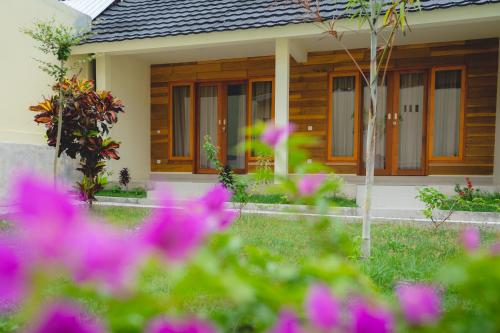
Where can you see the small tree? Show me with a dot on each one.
(88, 115)
(384, 19)
(56, 41)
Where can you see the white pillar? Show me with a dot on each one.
(281, 101)
(496, 165)
(103, 70)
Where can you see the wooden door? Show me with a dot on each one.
(401, 125)
(221, 114)
(409, 123)
(383, 130)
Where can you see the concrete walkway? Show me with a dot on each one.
(297, 211)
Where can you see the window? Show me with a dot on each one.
(261, 102)
(447, 104)
(181, 122)
(343, 122)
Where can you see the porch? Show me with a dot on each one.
(303, 68)
(389, 193)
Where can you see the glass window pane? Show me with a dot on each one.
(447, 107)
(262, 103)
(208, 108)
(410, 119)
(344, 98)
(236, 123)
(181, 121)
(262, 99)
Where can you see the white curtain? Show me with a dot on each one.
(343, 116)
(447, 100)
(181, 121)
(262, 93)
(380, 128)
(411, 104)
(262, 99)
(236, 123)
(208, 120)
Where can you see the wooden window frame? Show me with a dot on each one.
(357, 96)
(249, 107)
(463, 94)
(189, 84)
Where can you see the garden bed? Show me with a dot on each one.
(335, 201)
(118, 192)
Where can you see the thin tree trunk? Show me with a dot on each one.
(59, 127)
(370, 137)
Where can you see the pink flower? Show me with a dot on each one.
(46, 217)
(309, 184)
(176, 232)
(367, 318)
(163, 325)
(212, 203)
(215, 198)
(273, 136)
(105, 256)
(38, 200)
(66, 318)
(471, 238)
(322, 308)
(420, 303)
(495, 248)
(12, 276)
(287, 323)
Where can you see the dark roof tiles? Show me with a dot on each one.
(136, 19)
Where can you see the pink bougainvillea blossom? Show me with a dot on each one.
(212, 204)
(105, 256)
(420, 303)
(66, 317)
(178, 228)
(38, 200)
(164, 325)
(495, 248)
(287, 323)
(273, 135)
(46, 216)
(12, 276)
(368, 318)
(309, 184)
(175, 230)
(215, 198)
(471, 238)
(322, 309)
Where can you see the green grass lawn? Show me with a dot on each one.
(400, 251)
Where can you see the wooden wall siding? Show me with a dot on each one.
(309, 97)
(162, 75)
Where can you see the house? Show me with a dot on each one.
(190, 68)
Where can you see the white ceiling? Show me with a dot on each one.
(464, 31)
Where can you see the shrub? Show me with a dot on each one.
(124, 179)
(87, 116)
(434, 200)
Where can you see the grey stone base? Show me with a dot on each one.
(16, 158)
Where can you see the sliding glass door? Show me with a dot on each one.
(222, 116)
(400, 127)
(208, 123)
(410, 123)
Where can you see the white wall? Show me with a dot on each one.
(128, 78)
(22, 83)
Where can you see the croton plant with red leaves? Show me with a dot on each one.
(87, 117)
